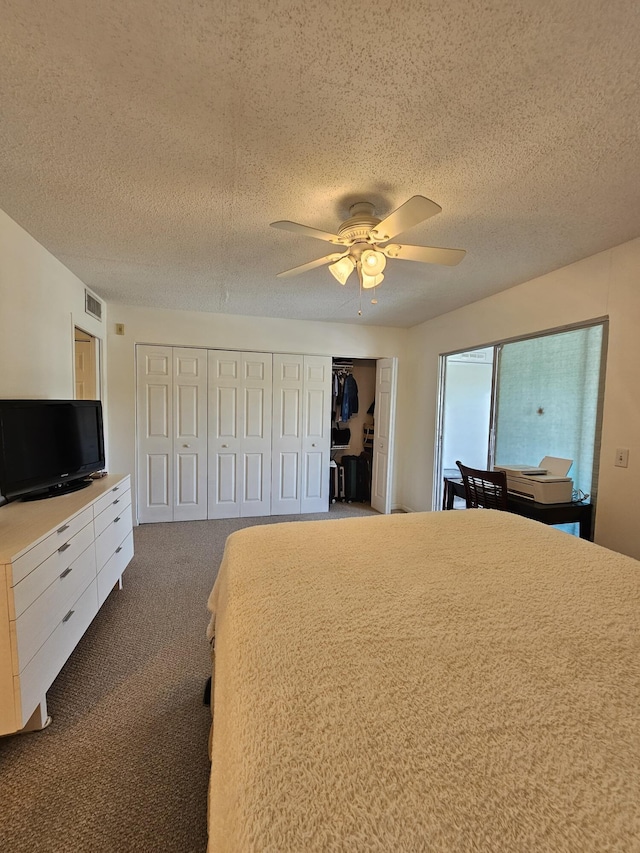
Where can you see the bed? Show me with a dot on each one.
(457, 681)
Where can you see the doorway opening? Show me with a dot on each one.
(86, 365)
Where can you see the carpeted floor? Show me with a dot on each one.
(124, 766)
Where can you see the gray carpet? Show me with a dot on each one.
(124, 766)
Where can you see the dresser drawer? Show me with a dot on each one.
(44, 666)
(114, 509)
(25, 564)
(110, 573)
(112, 536)
(33, 627)
(35, 583)
(108, 498)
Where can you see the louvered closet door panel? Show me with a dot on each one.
(154, 429)
(255, 495)
(226, 419)
(288, 376)
(316, 434)
(190, 433)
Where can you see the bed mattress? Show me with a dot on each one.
(449, 681)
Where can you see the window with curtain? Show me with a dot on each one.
(547, 397)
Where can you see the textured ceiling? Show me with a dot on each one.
(148, 145)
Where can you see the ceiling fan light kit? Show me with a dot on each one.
(362, 235)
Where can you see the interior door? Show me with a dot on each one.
(155, 471)
(381, 485)
(85, 362)
(288, 376)
(316, 434)
(190, 433)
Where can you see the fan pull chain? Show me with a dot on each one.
(360, 309)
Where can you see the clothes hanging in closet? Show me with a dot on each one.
(349, 398)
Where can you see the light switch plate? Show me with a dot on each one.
(622, 457)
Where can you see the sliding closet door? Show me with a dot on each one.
(288, 373)
(239, 434)
(190, 433)
(172, 429)
(301, 434)
(316, 434)
(383, 438)
(255, 494)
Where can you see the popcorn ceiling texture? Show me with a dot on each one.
(450, 681)
(149, 145)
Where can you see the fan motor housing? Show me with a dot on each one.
(360, 223)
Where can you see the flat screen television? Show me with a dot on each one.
(48, 447)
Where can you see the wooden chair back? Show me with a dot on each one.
(486, 489)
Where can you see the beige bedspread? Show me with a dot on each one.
(458, 681)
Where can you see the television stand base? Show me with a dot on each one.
(62, 489)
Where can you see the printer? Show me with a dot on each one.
(546, 484)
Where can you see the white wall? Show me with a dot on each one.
(40, 301)
(605, 284)
(220, 331)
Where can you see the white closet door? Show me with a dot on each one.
(255, 476)
(226, 418)
(155, 433)
(288, 380)
(383, 436)
(239, 434)
(190, 433)
(316, 434)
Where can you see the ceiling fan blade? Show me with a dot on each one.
(425, 254)
(285, 225)
(328, 259)
(416, 210)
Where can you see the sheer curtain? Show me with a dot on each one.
(547, 401)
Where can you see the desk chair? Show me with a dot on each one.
(487, 489)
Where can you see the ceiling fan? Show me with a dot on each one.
(363, 236)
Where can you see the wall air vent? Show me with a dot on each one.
(92, 305)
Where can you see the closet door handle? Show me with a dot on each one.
(313, 445)
(225, 445)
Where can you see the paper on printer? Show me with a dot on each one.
(546, 484)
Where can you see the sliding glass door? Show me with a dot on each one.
(547, 401)
(518, 401)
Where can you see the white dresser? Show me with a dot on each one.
(59, 559)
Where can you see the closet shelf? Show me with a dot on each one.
(340, 446)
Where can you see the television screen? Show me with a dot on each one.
(45, 444)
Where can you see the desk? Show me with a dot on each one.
(567, 513)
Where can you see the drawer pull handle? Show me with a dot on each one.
(68, 616)
(66, 572)
(63, 528)
(115, 488)
(117, 501)
(64, 547)
(118, 549)
(117, 518)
